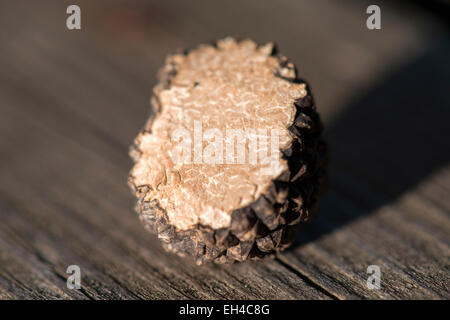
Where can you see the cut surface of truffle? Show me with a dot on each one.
(222, 166)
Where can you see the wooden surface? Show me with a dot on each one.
(72, 101)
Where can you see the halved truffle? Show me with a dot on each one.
(231, 162)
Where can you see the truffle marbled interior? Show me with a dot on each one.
(231, 86)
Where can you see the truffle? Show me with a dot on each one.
(231, 162)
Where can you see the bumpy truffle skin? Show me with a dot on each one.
(271, 223)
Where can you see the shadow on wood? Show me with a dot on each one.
(386, 142)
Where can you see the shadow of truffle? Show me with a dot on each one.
(386, 142)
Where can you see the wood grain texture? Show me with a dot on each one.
(71, 103)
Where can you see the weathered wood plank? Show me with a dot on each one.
(71, 103)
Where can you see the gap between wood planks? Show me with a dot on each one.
(295, 269)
